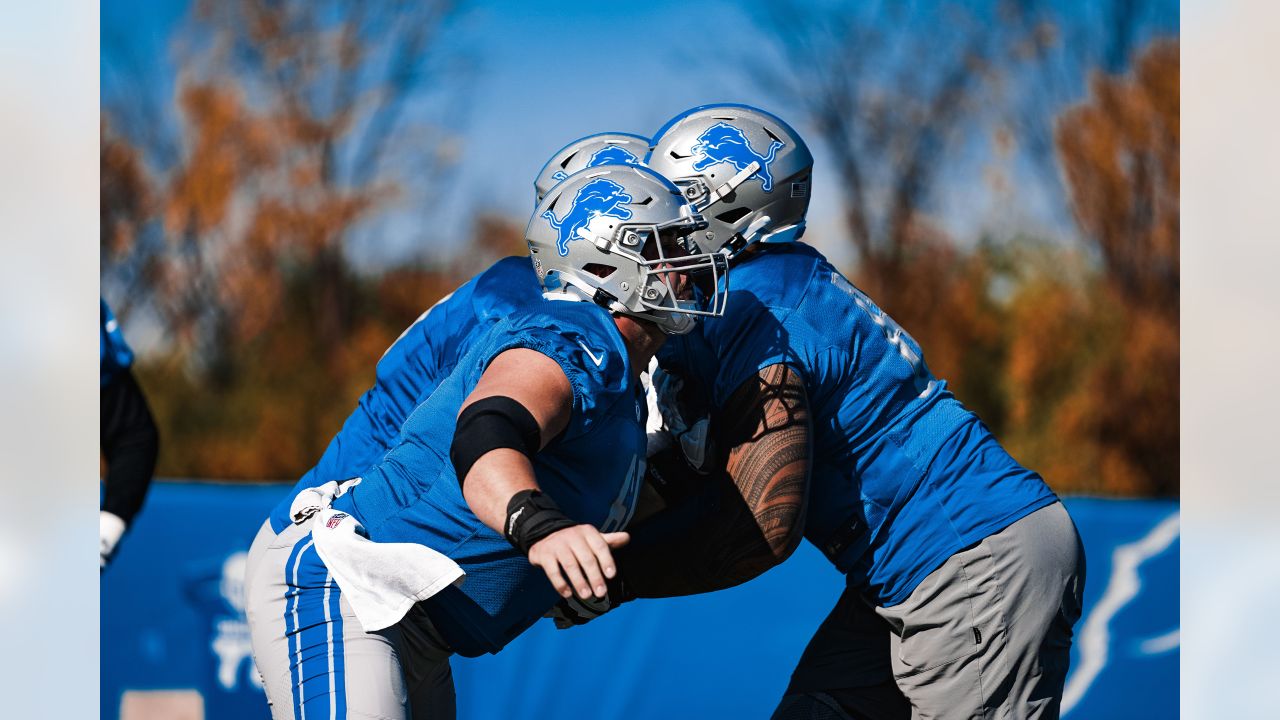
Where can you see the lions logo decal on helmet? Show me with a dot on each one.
(607, 155)
(723, 142)
(601, 196)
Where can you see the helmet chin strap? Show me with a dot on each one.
(732, 183)
(675, 323)
(671, 323)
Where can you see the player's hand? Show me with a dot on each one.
(110, 529)
(578, 558)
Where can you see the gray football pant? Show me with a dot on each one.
(316, 660)
(986, 635)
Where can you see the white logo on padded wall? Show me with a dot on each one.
(232, 647)
(587, 350)
(231, 634)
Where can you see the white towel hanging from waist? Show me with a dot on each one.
(381, 581)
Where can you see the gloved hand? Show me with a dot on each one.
(575, 611)
(110, 528)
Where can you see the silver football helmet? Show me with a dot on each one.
(745, 170)
(611, 148)
(619, 236)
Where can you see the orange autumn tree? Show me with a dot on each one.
(896, 94)
(1097, 372)
(299, 128)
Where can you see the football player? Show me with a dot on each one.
(964, 571)
(520, 468)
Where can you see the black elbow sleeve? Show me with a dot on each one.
(488, 424)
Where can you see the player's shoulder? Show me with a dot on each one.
(581, 337)
(563, 317)
(776, 276)
(766, 291)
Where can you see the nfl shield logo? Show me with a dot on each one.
(333, 521)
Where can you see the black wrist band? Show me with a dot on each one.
(531, 516)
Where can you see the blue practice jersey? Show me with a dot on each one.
(592, 470)
(114, 354)
(902, 475)
(413, 366)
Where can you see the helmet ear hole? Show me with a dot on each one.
(731, 217)
(600, 270)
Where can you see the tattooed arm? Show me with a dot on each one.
(748, 517)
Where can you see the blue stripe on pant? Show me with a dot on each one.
(313, 625)
(337, 655)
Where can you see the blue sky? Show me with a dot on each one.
(544, 78)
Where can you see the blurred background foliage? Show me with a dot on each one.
(301, 126)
